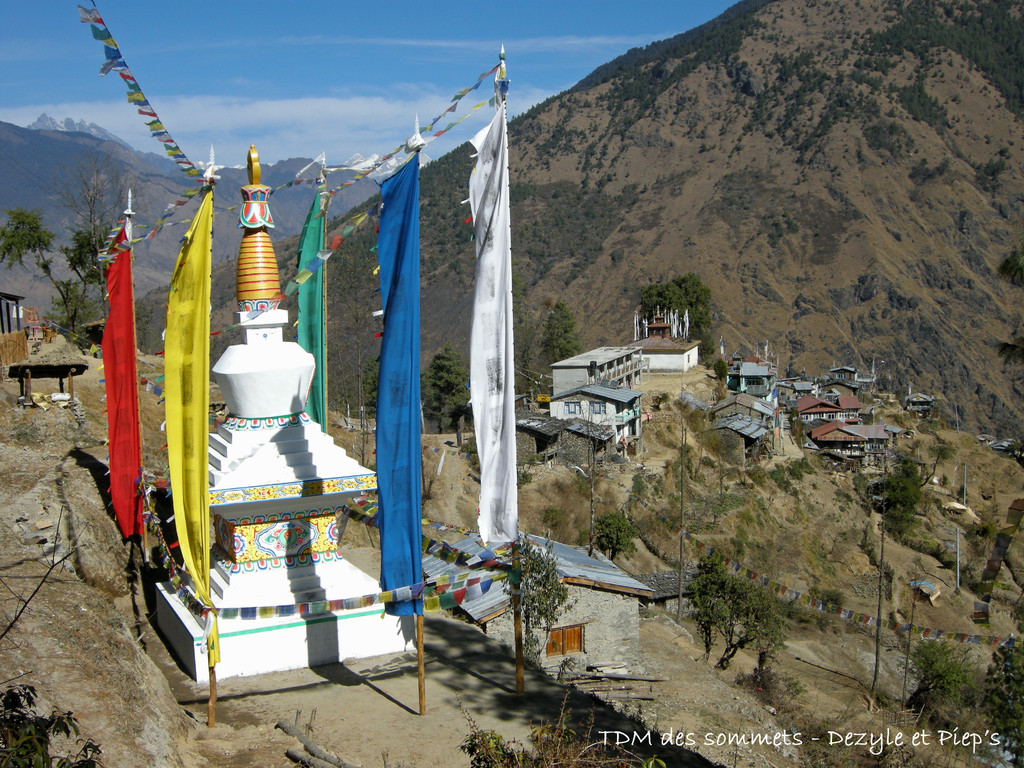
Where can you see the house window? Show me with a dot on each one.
(572, 406)
(597, 408)
(565, 640)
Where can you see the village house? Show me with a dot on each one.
(857, 442)
(919, 403)
(833, 389)
(600, 624)
(745, 405)
(754, 376)
(850, 374)
(621, 365)
(791, 390)
(537, 437)
(660, 353)
(608, 408)
(742, 437)
(846, 409)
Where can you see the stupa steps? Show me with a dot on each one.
(281, 471)
(295, 454)
(298, 588)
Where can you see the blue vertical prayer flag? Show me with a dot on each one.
(398, 387)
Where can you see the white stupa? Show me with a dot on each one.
(277, 482)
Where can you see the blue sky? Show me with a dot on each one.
(297, 79)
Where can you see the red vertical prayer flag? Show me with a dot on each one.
(122, 397)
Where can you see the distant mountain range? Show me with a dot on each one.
(39, 161)
(68, 125)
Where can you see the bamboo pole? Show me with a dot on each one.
(420, 666)
(211, 705)
(323, 330)
(517, 613)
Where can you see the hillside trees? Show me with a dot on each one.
(1011, 268)
(444, 386)
(943, 672)
(559, 338)
(684, 293)
(615, 534)
(739, 611)
(1004, 698)
(901, 494)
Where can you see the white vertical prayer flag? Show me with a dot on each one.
(492, 367)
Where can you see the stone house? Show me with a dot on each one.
(601, 623)
(604, 406)
(537, 435)
(743, 437)
(746, 405)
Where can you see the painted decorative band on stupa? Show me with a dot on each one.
(239, 424)
(293, 537)
(353, 484)
(256, 566)
(258, 305)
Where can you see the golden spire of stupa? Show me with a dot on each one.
(258, 285)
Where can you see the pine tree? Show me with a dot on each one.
(444, 386)
(559, 339)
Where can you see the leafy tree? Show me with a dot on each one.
(614, 534)
(444, 386)
(683, 293)
(943, 671)
(901, 495)
(544, 595)
(1004, 698)
(75, 275)
(721, 369)
(559, 339)
(739, 611)
(26, 736)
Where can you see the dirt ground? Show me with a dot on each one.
(86, 641)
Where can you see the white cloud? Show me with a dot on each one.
(282, 128)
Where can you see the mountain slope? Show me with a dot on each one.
(845, 179)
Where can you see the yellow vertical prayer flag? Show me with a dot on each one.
(187, 393)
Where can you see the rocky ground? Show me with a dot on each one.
(85, 642)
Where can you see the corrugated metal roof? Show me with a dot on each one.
(542, 424)
(573, 565)
(744, 425)
(747, 401)
(593, 431)
(615, 394)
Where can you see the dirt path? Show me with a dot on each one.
(366, 710)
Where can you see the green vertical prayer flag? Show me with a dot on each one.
(311, 321)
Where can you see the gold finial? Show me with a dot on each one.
(254, 165)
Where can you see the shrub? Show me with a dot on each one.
(25, 735)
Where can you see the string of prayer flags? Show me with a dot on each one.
(114, 62)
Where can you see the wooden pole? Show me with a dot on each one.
(517, 613)
(878, 623)
(211, 705)
(323, 330)
(420, 667)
